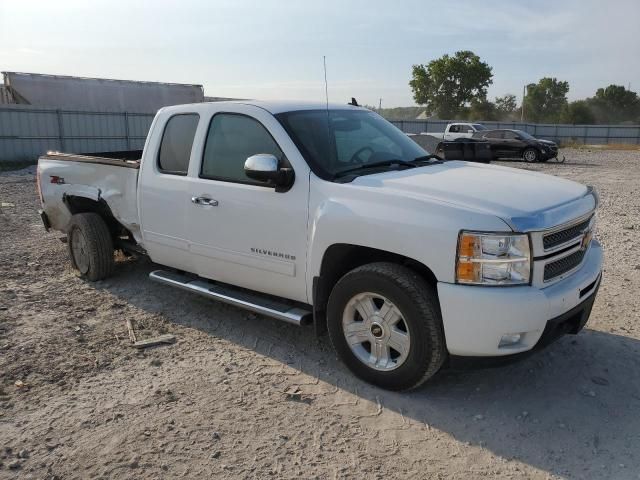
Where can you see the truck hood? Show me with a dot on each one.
(525, 200)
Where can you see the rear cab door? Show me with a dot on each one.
(163, 193)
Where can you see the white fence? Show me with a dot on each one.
(563, 134)
(27, 132)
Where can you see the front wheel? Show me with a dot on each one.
(90, 246)
(530, 155)
(384, 322)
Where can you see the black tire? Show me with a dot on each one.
(419, 306)
(90, 246)
(531, 155)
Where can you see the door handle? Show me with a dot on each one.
(204, 201)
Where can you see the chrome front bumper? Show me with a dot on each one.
(475, 318)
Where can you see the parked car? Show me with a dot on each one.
(332, 216)
(507, 143)
(461, 130)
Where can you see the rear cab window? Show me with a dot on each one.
(176, 143)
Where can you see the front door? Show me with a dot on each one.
(513, 144)
(241, 231)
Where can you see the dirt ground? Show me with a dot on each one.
(77, 401)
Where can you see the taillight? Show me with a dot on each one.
(38, 186)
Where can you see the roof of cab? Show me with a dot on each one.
(280, 106)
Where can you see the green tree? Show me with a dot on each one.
(506, 106)
(615, 104)
(482, 110)
(449, 83)
(578, 113)
(546, 100)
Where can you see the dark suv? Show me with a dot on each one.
(517, 143)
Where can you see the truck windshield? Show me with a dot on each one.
(340, 140)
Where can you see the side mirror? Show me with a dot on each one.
(264, 168)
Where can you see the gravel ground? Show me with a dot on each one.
(76, 401)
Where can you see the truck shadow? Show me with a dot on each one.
(570, 410)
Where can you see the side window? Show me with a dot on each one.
(177, 140)
(231, 139)
(510, 135)
(454, 129)
(467, 129)
(494, 135)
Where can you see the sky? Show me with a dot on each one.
(273, 49)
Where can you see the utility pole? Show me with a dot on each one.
(524, 93)
(380, 104)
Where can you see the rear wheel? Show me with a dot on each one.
(384, 322)
(530, 155)
(90, 246)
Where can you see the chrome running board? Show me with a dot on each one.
(251, 301)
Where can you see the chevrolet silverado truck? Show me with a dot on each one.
(330, 216)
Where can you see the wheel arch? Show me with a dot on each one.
(81, 204)
(340, 258)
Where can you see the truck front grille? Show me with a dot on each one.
(560, 237)
(564, 265)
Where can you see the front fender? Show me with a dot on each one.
(422, 231)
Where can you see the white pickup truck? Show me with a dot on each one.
(454, 131)
(332, 216)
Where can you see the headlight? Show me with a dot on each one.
(493, 259)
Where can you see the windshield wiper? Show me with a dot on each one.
(382, 163)
(426, 158)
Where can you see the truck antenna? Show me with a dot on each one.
(326, 88)
(326, 96)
